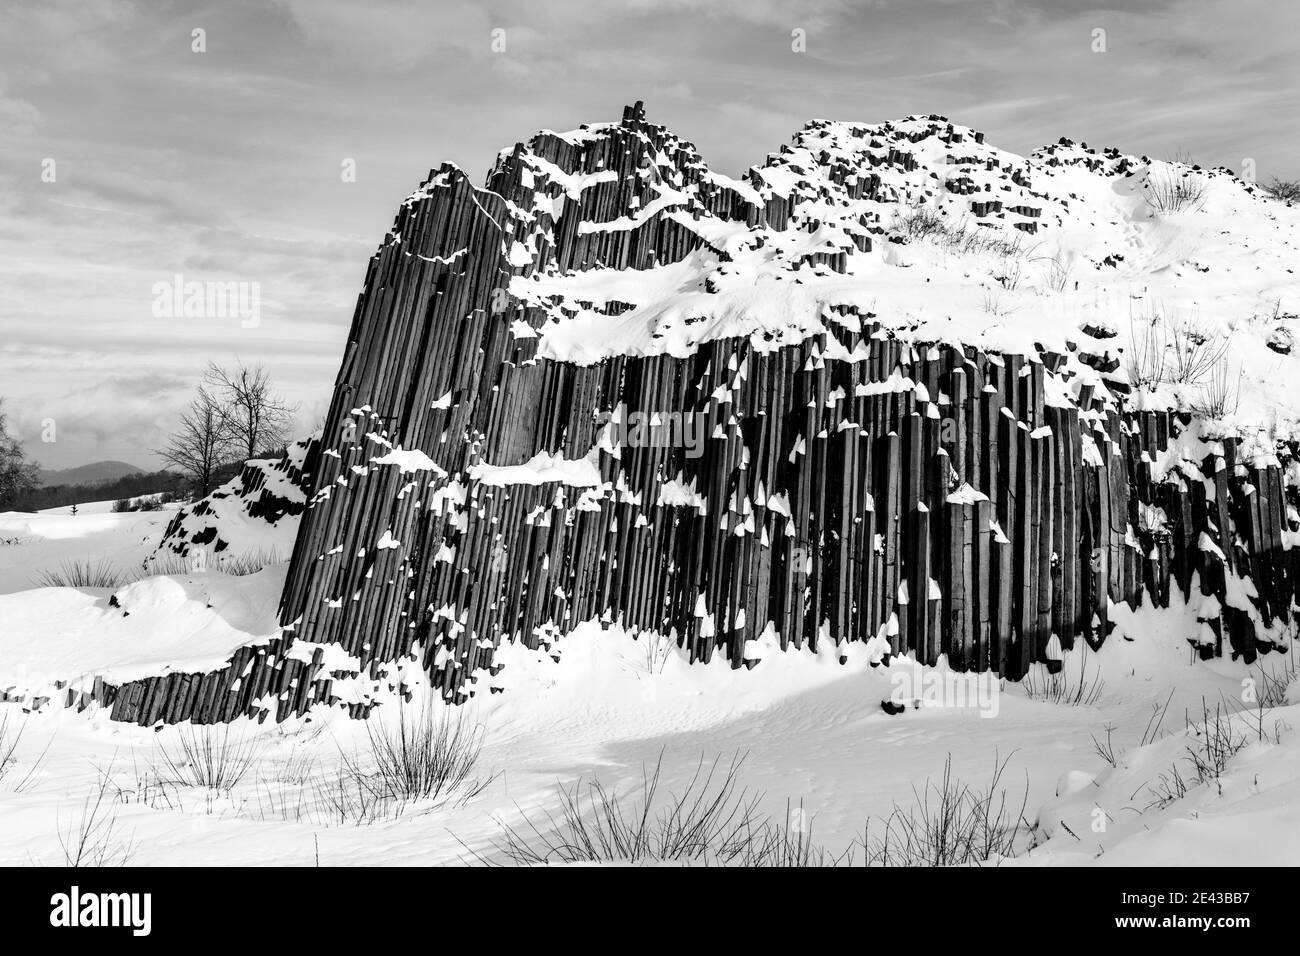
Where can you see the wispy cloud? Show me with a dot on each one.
(226, 164)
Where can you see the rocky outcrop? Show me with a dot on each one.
(614, 385)
(254, 515)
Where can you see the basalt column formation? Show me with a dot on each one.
(475, 482)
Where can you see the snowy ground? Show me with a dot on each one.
(34, 543)
(99, 507)
(812, 730)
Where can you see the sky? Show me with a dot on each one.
(275, 156)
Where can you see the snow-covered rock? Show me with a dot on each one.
(254, 515)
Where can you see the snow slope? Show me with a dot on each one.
(812, 732)
(187, 621)
(600, 705)
(34, 543)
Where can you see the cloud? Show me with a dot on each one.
(19, 116)
(227, 164)
(391, 34)
(787, 14)
(102, 417)
(677, 91)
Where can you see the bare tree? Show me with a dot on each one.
(1287, 190)
(257, 417)
(17, 475)
(202, 443)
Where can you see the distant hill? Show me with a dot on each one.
(96, 473)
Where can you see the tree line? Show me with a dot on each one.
(170, 484)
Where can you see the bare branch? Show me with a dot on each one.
(258, 418)
(202, 443)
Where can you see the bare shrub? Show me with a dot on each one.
(427, 754)
(1058, 275)
(1271, 688)
(1214, 740)
(951, 823)
(1012, 274)
(1148, 351)
(655, 649)
(10, 738)
(1173, 351)
(1106, 749)
(285, 804)
(349, 799)
(248, 562)
(1171, 191)
(326, 799)
(1156, 721)
(168, 562)
(1170, 787)
(1217, 739)
(922, 222)
(1220, 394)
(8, 744)
(210, 756)
(1287, 190)
(92, 838)
(151, 789)
(299, 769)
(84, 574)
(712, 820)
(993, 304)
(971, 239)
(1196, 352)
(238, 565)
(1079, 690)
(789, 844)
(919, 221)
